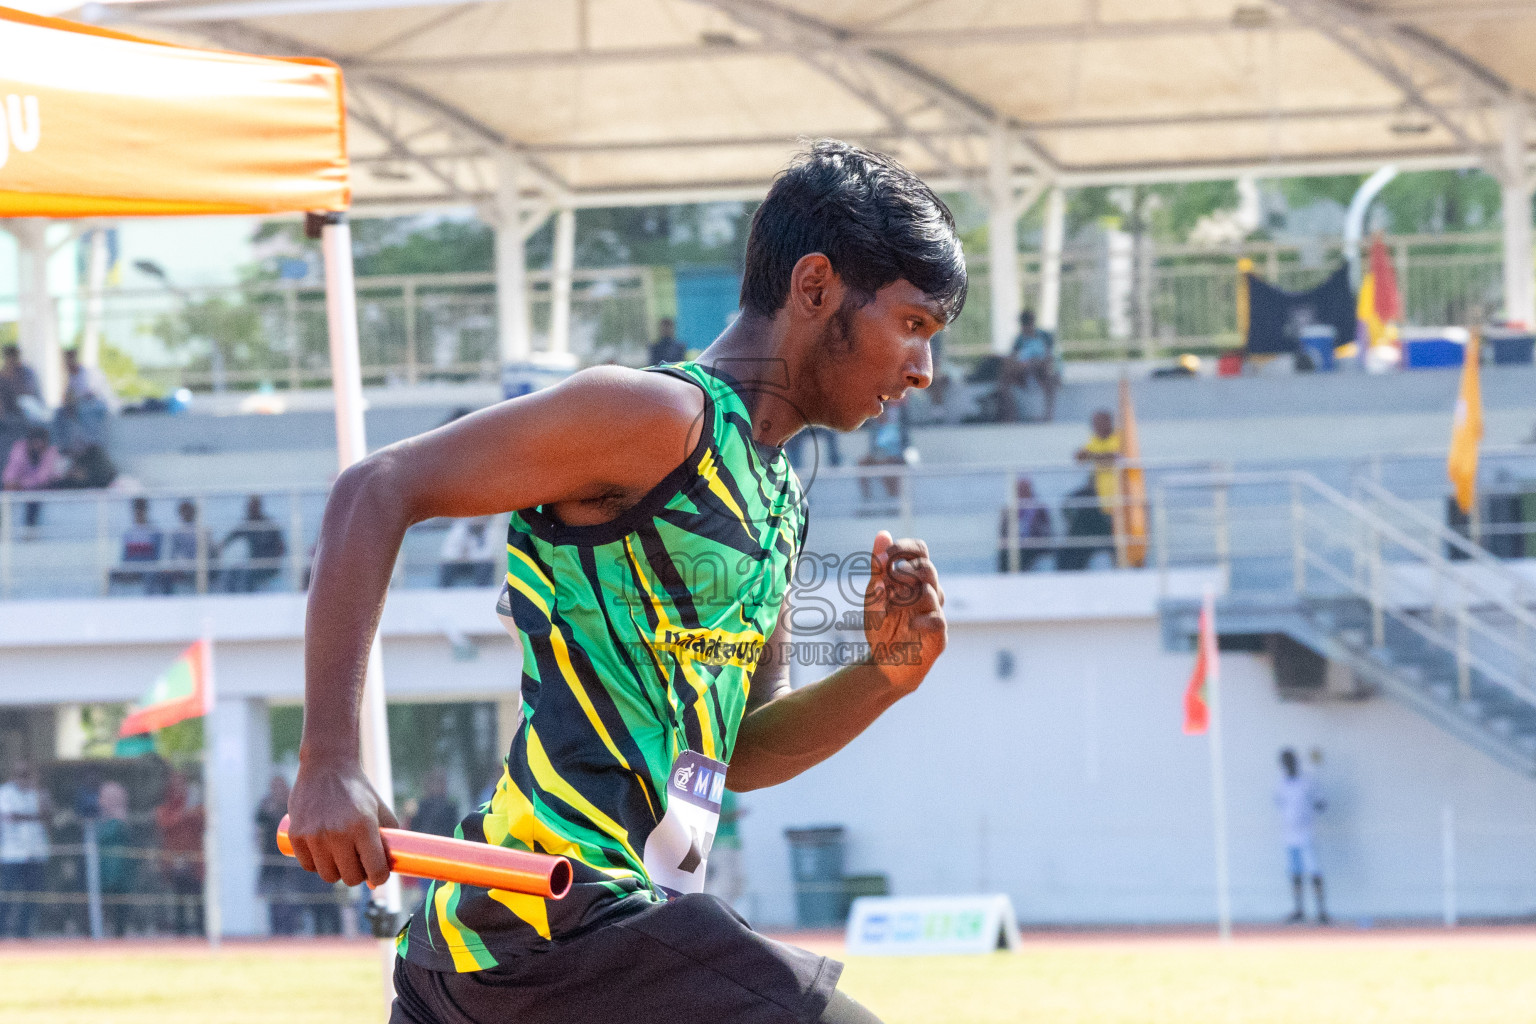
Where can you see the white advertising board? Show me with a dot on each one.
(925, 925)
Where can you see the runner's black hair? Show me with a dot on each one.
(871, 217)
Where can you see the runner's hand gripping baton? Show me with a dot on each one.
(459, 860)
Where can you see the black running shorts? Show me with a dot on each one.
(691, 960)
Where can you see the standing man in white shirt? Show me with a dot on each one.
(1299, 804)
(23, 850)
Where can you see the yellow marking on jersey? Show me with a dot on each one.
(662, 622)
(530, 908)
(512, 816)
(545, 775)
(528, 592)
(532, 565)
(463, 960)
(572, 680)
(711, 475)
(690, 672)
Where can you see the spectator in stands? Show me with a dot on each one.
(18, 384)
(823, 443)
(89, 469)
(1089, 510)
(1299, 804)
(142, 543)
(889, 439)
(24, 815)
(470, 554)
(187, 540)
(118, 866)
(34, 465)
(1034, 528)
(264, 550)
(437, 814)
(275, 881)
(666, 348)
(180, 824)
(1033, 358)
(88, 400)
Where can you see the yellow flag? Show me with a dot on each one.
(1467, 429)
(1365, 310)
(1131, 512)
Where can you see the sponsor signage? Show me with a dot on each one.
(927, 925)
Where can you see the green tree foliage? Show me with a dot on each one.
(181, 744)
(199, 327)
(1417, 202)
(1167, 212)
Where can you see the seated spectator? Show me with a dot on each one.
(823, 444)
(188, 542)
(142, 542)
(90, 469)
(437, 814)
(24, 814)
(34, 465)
(118, 865)
(20, 396)
(666, 348)
(1034, 527)
(889, 439)
(264, 548)
(1033, 359)
(470, 554)
(1089, 510)
(179, 822)
(276, 881)
(81, 421)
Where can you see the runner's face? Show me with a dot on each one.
(877, 351)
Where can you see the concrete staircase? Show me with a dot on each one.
(1387, 600)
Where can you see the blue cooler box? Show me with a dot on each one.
(1428, 347)
(1318, 342)
(1510, 346)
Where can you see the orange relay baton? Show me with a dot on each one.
(459, 860)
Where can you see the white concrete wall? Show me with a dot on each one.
(1072, 788)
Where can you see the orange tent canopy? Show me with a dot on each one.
(96, 123)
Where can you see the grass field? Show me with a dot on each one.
(1377, 978)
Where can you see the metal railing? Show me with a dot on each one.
(1432, 599)
(426, 327)
(972, 516)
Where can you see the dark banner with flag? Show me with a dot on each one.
(1277, 317)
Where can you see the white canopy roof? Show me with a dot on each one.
(610, 102)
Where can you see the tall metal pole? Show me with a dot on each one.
(1002, 244)
(1050, 259)
(95, 287)
(351, 447)
(511, 268)
(1515, 201)
(560, 282)
(36, 323)
(1218, 775)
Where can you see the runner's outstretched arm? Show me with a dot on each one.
(592, 445)
(787, 731)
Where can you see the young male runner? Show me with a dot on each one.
(657, 529)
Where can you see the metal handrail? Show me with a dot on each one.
(1473, 551)
(1365, 534)
(1366, 517)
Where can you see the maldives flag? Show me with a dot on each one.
(181, 692)
(1197, 712)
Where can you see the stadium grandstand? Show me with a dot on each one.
(1364, 617)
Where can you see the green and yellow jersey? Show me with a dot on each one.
(639, 640)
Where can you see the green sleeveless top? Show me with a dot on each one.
(639, 640)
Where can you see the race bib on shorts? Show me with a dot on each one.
(677, 849)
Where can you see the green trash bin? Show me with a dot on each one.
(816, 862)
